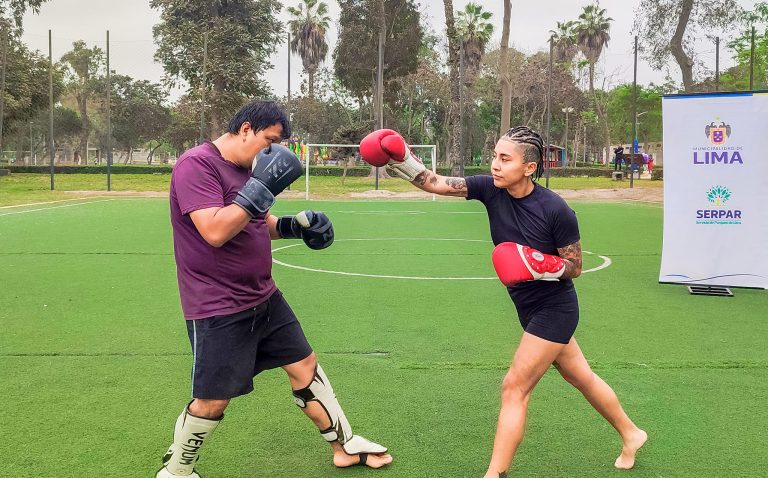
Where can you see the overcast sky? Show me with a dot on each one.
(132, 49)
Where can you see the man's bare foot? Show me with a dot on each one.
(372, 460)
(626, 460)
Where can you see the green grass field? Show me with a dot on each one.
(24, 188)
(94, 359)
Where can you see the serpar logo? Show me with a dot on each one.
(718, 134)
(718, 195)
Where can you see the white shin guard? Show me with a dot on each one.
(189, 435)
(320, 391)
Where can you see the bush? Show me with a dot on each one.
(354, 171)
(657, 174)
(115, 169)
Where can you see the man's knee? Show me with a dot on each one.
(300, 373)
(211, 409)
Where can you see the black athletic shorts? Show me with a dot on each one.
(554, 319)
(230, 350)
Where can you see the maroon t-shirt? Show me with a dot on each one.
(216, 281)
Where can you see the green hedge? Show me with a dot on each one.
(115, 169)
(359, 171)
(657, 174)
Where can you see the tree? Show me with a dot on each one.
(82, 66)
(356, 54)
(17, 8)
(183, 130)
(455, 158)
(620, 108)
(737, 77)
(670, 27)
(308, 26)
(563, 39)
(242, 34)
(139, 115)
(506, 88)
(26, 92)
(475, 32)
(592, 35)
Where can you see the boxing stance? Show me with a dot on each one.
(237, 320)
(537, 254)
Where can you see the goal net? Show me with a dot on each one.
(331, 169)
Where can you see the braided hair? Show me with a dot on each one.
(533, 146)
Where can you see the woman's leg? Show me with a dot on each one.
(575, 370)
(532, 359)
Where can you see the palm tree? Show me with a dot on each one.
(475, 32)
(563, 40)
(308, 25)
(592, 35)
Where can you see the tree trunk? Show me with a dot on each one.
(311, 81)
(454, 155)
(152, 150)
(82, 103)
(676, 45)
(506, 86)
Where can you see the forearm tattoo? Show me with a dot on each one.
(458, 186)
(425, 176)
(502, 474)
(572, 256)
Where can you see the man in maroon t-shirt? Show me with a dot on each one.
(237, 320)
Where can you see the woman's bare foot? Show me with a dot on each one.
(626, 460)
(372, 460)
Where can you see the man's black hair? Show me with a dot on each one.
(533, 151)
(261, 114)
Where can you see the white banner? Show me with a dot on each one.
(716, 190)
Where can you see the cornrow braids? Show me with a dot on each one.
(534, 150)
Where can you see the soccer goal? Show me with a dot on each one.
(343, 162)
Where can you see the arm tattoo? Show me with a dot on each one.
(458, 186)
(572, 256)
(422, 178)
(502, 474)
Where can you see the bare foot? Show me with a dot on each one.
(372, 460)
(626, 460)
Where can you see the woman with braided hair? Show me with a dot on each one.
(537, 256)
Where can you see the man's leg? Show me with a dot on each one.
(194, 426)
(533, 357)
(575, 370)
(302, 376)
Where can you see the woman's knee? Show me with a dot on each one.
(515, 388)
(581, 379)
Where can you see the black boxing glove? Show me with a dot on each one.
(274, 169)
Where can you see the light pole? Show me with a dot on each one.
(567, 110)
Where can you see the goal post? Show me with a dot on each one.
(429, 157)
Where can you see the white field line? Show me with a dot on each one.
(51, 202)
(606, 261)
(54, 207)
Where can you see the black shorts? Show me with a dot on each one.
(230, 350)
(554, 320)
